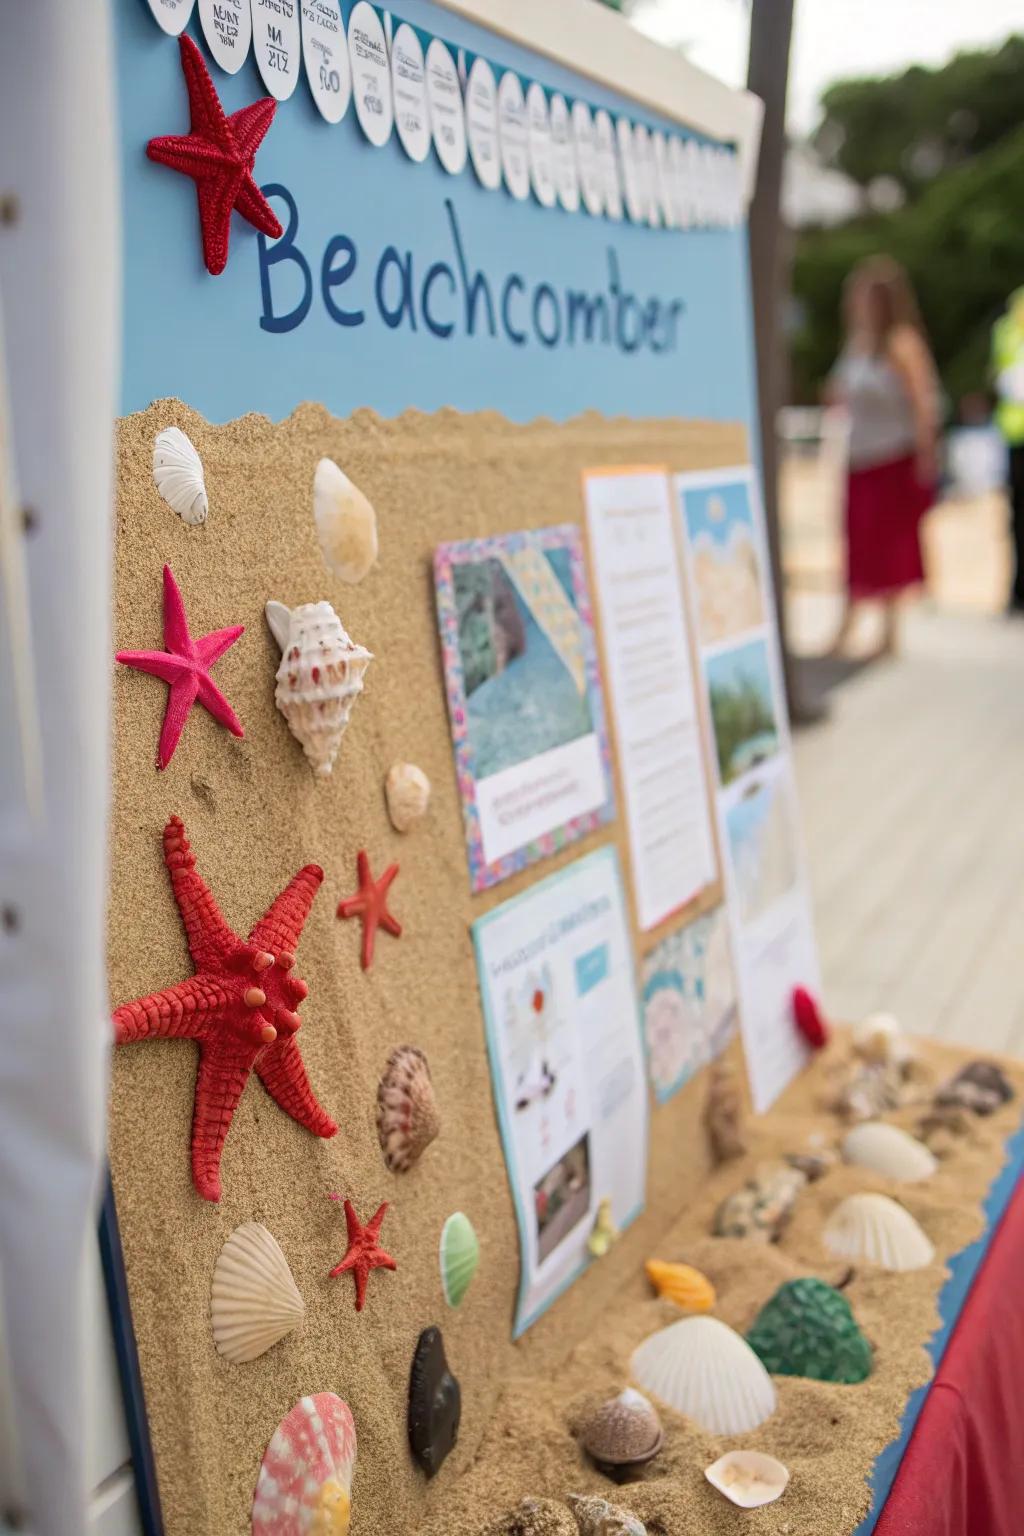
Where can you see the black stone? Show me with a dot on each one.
(435, 1403)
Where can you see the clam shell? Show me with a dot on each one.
(596, 1517)
(305, 1481)
(460, 1255)
(255, 1300)
(407, 1115)
(683, 1284)
(874, 1228)
(703, 1369)
(748, 1478)
(178, 472)
(888, 1151)
(319, 679)
(346, 523)
(624, 1431)
(407, 790)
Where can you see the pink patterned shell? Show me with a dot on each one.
(305, 1482)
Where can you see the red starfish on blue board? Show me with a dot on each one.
(219, 153)
(370, 903)
(364, 1253)
(239, 1007)
(185, 667)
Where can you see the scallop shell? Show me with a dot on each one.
(305, 1482)
(683, 1284)
(346, 523)
(874, 1228)
(178, 472)
(460, 1255)
(701, 1368)
(407, 790)
(888, 1151)
(596, 1517)
(748, 1478)
(625, 1431)
(407, 1116)
(319, 679)
(255, 1300)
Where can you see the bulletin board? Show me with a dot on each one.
(451, 436)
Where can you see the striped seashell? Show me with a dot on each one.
(407, 1114)
(178, 473)
(683, 1284)
(703, 1369)
(876, 1229)
(255, 1301)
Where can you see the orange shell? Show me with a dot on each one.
(683, 1284)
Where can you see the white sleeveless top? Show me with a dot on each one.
(881, 418)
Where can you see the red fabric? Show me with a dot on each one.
(884, 507)
(963, 1472)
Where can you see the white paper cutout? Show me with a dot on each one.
(409, 92)
(663, 178)
(371, 73)
(276, 43)
(171, 16)
(563, 150)
(325, 55)
(588, 160)
(608, 161)
(542, 159)
(482, 124)
(632, 190)
(677, 182)
(515, 163)
(227, 28)
(643, 163)
(447, 119)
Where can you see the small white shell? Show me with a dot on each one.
(346, 523)
(876, 1229)
(702, 1368)
(888, 1151)
(595, 1516)
(748, 1478)
(319, 679)
(407, 790)
(880, 1038)
(255, 1300)
(178, 472)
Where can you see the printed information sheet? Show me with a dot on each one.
(650, 678)
(563, 1034)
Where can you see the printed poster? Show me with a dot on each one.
(768, 898)
(524, 696)
(563, 1036)
(689, 1002)
(650, 680)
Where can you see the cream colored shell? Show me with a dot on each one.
(703, 1369)
(888, 1151)
(319, 679)
(748, 1479)
(595, 1516)
(346, 523)
(880, 1038)
(255, 1300)
(407, 790)
(178, 473)
(876, 1229)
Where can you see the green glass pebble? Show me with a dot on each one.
(808, 1329)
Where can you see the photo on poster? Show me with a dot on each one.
(567, 1067)
(524, 696)
(763, 846)
(689, 1002)
(724, 552)
(744, 717)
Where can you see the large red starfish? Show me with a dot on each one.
(364, 1253)
(239, 1006)
(185, 667)
(219, 153)
(370, 903)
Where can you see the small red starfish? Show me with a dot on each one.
(364, 1252)
(371, 904)
(219, 153)
(185, 667)
(239, 1006)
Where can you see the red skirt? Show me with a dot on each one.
(884, 507)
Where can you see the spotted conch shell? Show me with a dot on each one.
(319, 679)
(178, 473)
(305, 1482)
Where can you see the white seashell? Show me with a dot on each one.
(319, 679)
(888, 1151)
(874, 1228)
(748, 1478)
(178, 472)
(255, 1299)
(702, 1368)
(407, 790)
(346, 523)
(880, 1038)
(595, 1516)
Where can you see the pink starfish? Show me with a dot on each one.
(185, 667)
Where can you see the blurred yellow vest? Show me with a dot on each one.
(1007, 355)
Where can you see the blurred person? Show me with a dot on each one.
(885, 380)
(1008, 367)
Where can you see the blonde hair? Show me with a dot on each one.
(895, 302)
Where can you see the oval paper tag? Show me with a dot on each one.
(371, 73)
(447, 120)
(482, 124)
(567, 181)
(663, 179)
(643, 162)
(227, 27)
(677, 182)
(409, 89)
(172, 15)
(588, 160)
(275, 41)
(542, 160)
(632, 192)
(515, 164)
(325, 55)
(608, 162)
